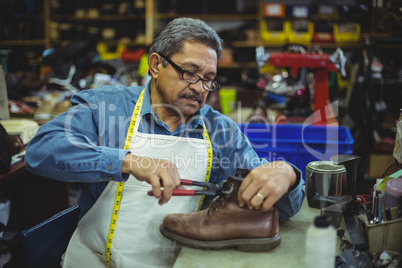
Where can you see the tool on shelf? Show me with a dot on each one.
(322, 63)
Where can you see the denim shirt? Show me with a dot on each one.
(85, 144)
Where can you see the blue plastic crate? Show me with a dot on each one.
(296, 143)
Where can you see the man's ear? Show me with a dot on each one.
(154, 63)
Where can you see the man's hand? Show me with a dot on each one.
(157, 172)
(266, 184)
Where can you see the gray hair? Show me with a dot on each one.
(171, 39)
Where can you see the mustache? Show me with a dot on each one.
(191, 96)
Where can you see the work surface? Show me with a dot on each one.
(290, 253)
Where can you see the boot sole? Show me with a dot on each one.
(243, 244)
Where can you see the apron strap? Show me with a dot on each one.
(119, 190)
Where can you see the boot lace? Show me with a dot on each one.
(215, 205)
(218, 202)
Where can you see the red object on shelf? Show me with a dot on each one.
(322, 65)
(133, 55)
(386, 145)
(323, 37)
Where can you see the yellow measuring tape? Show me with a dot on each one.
(209, 165)
(119, 190)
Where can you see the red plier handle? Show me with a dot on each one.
(180, 192)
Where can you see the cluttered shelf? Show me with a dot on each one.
(108, 43)
(334, 45)
(351, 45)
(23, 43)
(384, 44)
(241, 65)
(386, 82)
(26, 18)
(99, 18)
(209, 17)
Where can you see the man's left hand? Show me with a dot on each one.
(266, 184)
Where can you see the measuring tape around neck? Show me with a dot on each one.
(209, 164)
(119, 190)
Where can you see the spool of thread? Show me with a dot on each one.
(393, 191)
(320, 244)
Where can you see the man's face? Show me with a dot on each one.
(172, 89)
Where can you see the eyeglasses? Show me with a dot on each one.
(208, 84)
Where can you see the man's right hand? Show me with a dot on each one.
(157, 172)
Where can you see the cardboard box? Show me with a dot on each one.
(378, 164)
(385, 236)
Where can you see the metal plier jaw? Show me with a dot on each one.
(223, 188)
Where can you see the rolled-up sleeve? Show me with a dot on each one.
(291, 202)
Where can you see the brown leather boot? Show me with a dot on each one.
(225, 225)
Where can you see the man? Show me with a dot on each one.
(151, 138)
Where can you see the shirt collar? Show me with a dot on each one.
(146, 102)
(198, 117)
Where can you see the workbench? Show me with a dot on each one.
(290, 253)
(33, 198)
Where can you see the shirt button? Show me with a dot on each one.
(111, 178)
(109, 168)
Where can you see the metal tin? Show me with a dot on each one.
(323, 178)
(325, 167)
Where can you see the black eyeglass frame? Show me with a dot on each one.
(181, 71)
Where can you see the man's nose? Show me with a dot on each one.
(198, 87)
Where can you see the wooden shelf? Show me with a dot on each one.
(322, 45)
(207, 17)
(29, 17)
(246, 43)
(107, 42)
(316, 18)
(99, 18)
(315, 2)
(239, 65)
(22, 43)
(386, 82)
(341, 45)
(325, 17)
